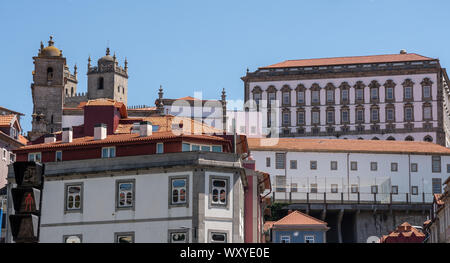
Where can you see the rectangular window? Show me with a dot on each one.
(436, 185)
(309, 239)
(345, 96)
(186, 147)
(315, 96)
(427, 91)
(334, 188)
(206, 148)
(313, 165)
(281, 183)
(315, 117)
(217, 237)
(354, 188)
(271, 98)
(394, 167)
(330, 117)
(374, 189)
(414, 190)
(330, 95)
(160, 148)
(178, 237)
(373, 166)
(394, 189)
(108, 152)
(427, 112)
(359, 94)
(267, 161)
(219, 191)
(436, 164)
(354, 166)
(293, 164)
(74, 197)
(333, 165)
(294, 188)
(286, 118)
(374, 114)
(313, 189)
(217, 148)
(125, 194)
(301, 117)
(34, 157)
(285, 239)
(390, 114)
(374, 93)
(390, 93)
(345, 116)
(257, 98)
(58, 156)
(408, 92)
(359, 115)
(286, 98)
(178, 191)
(124, 237)
(448, 168)
(408, 114)
(195, 147)
(300, 97)
(414, 167)
(280, 160)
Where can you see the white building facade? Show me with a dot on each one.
(385, 97)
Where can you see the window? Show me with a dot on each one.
(333, 165)
(374, 93)
(178, 190)
(109, 152)
(286, 118)
(271, 98)
(359, 115)
(49, 74)
(414, 190)
(219, 191)
(394, 167)
(315, 96)
(178, 237)
(186, 147)
(12, 157)
(125, 194)
(354, 166)
(301, 117)
(285, 239)
(34, 157)
(72, 239)
(294, 188)
(124, 237)
(280, 183)
(448, 167)
(257, 98)
(195, 148)
(414, 167)
(4, 153)
(354, 188)
(74, 197)
(330, 95)
(334, 188)
(217, 237)
(267, 161)
(374, 189)
(389, 93)
(373, 166)
(217, 148)
(100, 83)
(390, 114)
(427, 112)
(315, 117)
(345, 96)
(293, 164)
(160, 148)
(313, 165)
(427, 91)
(436, 185)
(309, 239)
(359, 94)
(313, 188)
(286, 98)
(300, 97)
(330, 117)
(408, 92)
(58, 156)
(394, 189)
(280, 160)
(436, 164)
(408, 113)
(374, 115)
(345, 116)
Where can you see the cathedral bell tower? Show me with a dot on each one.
(52, 81)
(108, 79)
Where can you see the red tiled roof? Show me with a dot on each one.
(268, 225)
(298, 218)
(22, 139)
(116, 139)
(343, 146)
(403, 231)
(349, 60)
(5, 120)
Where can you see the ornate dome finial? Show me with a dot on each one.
(89, 62)
(75, 69)
(107, 51)
(51, 42)
(126, 64)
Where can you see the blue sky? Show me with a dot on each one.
(189, 46)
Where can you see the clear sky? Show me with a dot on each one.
(189, 46)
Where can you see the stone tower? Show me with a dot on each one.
(108, 79)
(52, 81)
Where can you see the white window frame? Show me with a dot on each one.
(310, 238)
(158, 150)
(56, 156)
(178, 189)
(126, 204)
(219, 191)
(68, 195)
(111, 152)
(286, 239)
(33, 157)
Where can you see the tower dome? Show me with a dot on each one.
(50, 50)
(106, 58)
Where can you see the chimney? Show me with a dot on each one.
(100, 131)
(403, 51)
(145, 128)
(67, 134)
(49, 138)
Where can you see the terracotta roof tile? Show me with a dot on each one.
(404, 230)
(5, 120)
(298, 218)
(340, 145)
(349, 60)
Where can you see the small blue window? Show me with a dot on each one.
(186, 147)
(160, 148)
(206, 148)
(217, 148)
(195, 148)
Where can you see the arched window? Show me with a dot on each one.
(118, 89)
(71, 91)
(375, 138)
(123, 90)
(67, 93)
(409, 138)
(390, 138)
(49, 74)
(428, 138)
(100, 83)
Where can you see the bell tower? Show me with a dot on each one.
(108, 79)
(52, 81)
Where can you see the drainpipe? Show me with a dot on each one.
(409, 172)
(348, 177)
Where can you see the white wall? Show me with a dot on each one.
(69, 121)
